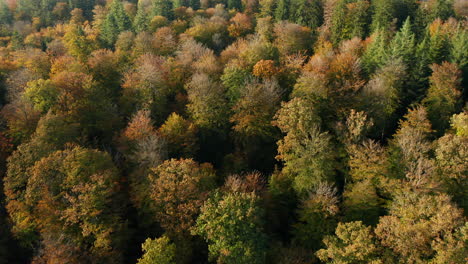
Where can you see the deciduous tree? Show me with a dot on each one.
(232, 225)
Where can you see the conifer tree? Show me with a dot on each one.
(307, 13)
(267, 8)
(234, 4)
(403, 44)
(115, 22)
(162, 8)
(350, 18)
(282, 10)
(6, 16)
(141, 20)
(384, 12)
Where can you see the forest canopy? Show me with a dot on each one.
(234, 131)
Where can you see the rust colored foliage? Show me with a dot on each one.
(178, 190)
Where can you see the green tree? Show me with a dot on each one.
(353, 242)
(384, 13)
(234, 79)
(85, 5)
(77, 43)
(376, 54)
(307, 152)
(232, 225)
(458, 54)
(234, 4)
(267, 8)
(317, 216)
(403, 44)
(282, 10)
(158, 251)
(42, 94)
(6, 16)
(142, 19)
(350, 18)
(105, 67)
(115, 22)
(362, 202)
(307, 13)
(389, 13)
(162, 8)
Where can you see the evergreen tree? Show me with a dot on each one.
(142, 19)
(375, 56)
(267, 8)
(6, 16)
(85, 5)
(234, 4)
(384, 12)
(403, 44)
(282, 10)
(162, 8)
(116, 22)
(307, 12)
(350, 18)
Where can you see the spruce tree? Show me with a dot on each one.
(282, 10)
(6, 16)
(142, 19)
(307, 12)
(234, 4)
(116, 22)
(162, 8)
(384, 12)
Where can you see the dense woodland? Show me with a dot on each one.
(234, 131)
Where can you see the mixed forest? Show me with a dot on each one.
(234, 131)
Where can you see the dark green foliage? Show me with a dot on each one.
(307, 12)
(234, 4)
(115, 22)
(350, 18)
(282, 10)
(6, 16)
(161, 8)
(232, 225)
